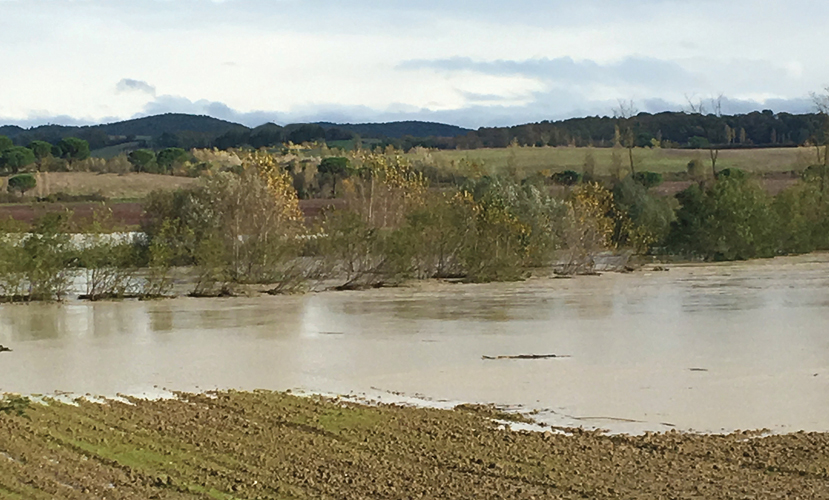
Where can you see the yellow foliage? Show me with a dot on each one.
(592, 208)
(385, 189)
(278, 181)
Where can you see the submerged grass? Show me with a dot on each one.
(268, 445)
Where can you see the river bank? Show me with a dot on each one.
(275, 445)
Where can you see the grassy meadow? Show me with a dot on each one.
(132, 186)
(529, 160)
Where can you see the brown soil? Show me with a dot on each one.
(125, 214)
(273, 445)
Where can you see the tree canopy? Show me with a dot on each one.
(15, 158)
(74, 149)
(41, 149)
(22, 183)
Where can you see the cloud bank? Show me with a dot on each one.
(467, 63)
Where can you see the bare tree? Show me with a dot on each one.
(821, 102)
(624, 114)
(712, 131)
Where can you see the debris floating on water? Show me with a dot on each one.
(4, 348)
(528, 356)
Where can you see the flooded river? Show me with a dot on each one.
(702, 347)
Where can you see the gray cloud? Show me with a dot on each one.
(485, 112)
(130, 85)
(177, 104)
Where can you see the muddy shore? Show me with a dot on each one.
(267, 445)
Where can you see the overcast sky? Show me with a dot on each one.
(469, 63)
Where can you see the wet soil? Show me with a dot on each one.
(275, 445)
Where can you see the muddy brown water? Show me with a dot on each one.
(700, 347)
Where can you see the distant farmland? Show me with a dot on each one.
(528, 160)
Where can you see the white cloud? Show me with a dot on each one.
(476, 63)
(130, 85)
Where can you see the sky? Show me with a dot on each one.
(463, 62)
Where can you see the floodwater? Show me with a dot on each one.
(700, 347)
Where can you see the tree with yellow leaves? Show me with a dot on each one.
(385, 189)
(591, 223)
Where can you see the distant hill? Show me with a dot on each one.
(202, 131)
(204, 128)
(171, 123)
(10, 130)
(397, 130)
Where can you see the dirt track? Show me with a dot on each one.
(275, 445)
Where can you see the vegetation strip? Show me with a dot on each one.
(275, 446)
(393, 218)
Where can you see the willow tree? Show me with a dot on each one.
(253, 220)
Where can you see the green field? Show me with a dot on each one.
(528, 160)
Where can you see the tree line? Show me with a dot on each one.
(241, 227)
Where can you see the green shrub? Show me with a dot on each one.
(649, 216)
(35, 266)
(566, 178)
(22, 183)
(648, 179)
(730, 220)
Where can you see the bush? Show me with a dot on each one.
(35, 266)
(696, 169)
(110, 261)
(730, 220)
(566, 178)
(22, 183)
(649, 217)
(698, 142)
(648, 179)
(803, 213)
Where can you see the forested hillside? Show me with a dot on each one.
(757, 129)
(669, 129)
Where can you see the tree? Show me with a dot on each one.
(16, 158)
(168, 140)
(624, 115)
(334, 168)
(142, 160)
(267, 135)
(307, 133)
(732, 219)
(168, 157)
(41, 149)
(74, 149)
(821, 102)
(22, 183)
(713, 127)
(5, 143)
